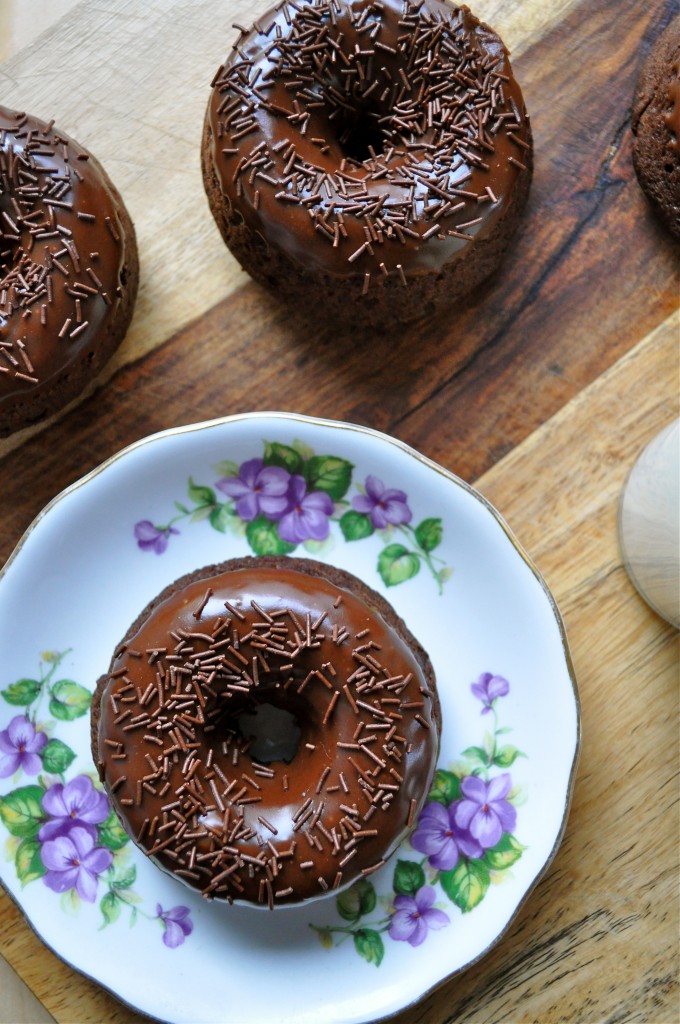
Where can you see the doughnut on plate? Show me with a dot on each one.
(454, 572)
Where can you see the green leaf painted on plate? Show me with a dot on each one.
(305, 450)
(396, 564)
(110, 906)
(201, 513)
(358, 900)
(226, 468)
(112, 834)
(220, 517)
(429, 534)
(507, 755)
(69, 700)
(263, 537)
(22, 693)
(408, 878)
(21, 811)
(445, 787)
(125, 877)
(505, 853)
(369, 944)
(477, 754)
(329, 473)
(200, 495)
(56, 757)
(466, 884)
(356, 525)
(282, 455)
(28, 862)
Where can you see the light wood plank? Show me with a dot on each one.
(21, 21)
(18, 1005)
(598, 939)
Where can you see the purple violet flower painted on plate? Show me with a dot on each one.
(153, 538)
(74, 862)
(75, 803)
(258, 489)
(489, 688)
(484, 809)
(440, 837)
(465, 832)
(384, 506)
(307, 515)
(63, 830)
(177, 925)
(20, 746)
(290, 496)
(414, 916)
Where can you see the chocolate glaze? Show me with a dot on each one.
(62, 256)
(427, 81)
(366, 753)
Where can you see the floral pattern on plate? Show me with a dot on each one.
(65, 833)
(465, 831)
(61, 831)
(291, 496)
(499, 615)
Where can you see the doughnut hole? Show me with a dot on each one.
(269, 725)
(274, 733)
(358, 132)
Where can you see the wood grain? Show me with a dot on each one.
(20, 24)
(545, 386)
(599, 934)
(598, 939)
(18, 1004)
(576, 294)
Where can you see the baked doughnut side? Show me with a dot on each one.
(656, 127)
(390, 300)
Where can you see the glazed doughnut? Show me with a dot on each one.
(327, 788)
(373, 156)
(68, 269)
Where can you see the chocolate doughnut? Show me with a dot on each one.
(372, 156)
(68, 269)
(656, 127)
(326, 789)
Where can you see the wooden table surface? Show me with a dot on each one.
(541, 390)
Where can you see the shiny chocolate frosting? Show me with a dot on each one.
(61, 255)
(181, 767)
(369, 138)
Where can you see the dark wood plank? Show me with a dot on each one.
(592, 273)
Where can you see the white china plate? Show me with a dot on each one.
(77, 580)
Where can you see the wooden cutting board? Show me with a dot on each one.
(542, 387)
(590, 275)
